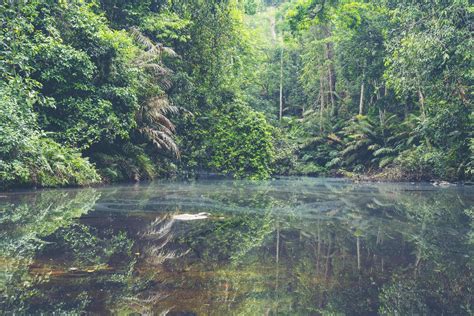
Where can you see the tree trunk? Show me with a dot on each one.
(422, 103)
(321, 95)
(331, 73)
(281, 83)
(361, 101)
(331, 78)
(423, 114)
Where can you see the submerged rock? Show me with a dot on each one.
(441, 183)
(191, 217)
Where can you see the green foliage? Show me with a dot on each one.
(86, 69)
(250, 7)
(167, 26)
(401, 297)
(47, 164)
(27, 157)
(470, 163)
(422, 163)
(364, 86)
(360, 140)
(286, 148)
(85, 83)
(60, 166)
(387, 85)
(124, 163)
(241, 142)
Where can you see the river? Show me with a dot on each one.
(291, 246)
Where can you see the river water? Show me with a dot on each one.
(292, 246)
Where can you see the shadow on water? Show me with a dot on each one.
(289, 246)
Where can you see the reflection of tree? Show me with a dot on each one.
(441, 277)
(347, 258)
(228, 239)
(39, 214)
(345, 249)
(157, 237)
(24, 222)
(125, 270)
(361, 250)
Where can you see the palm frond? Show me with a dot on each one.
(157, 69)
(160, 139)
(152, 116)
(169, 51)
(142, 39)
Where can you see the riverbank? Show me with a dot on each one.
(395, 175)
(386, 176)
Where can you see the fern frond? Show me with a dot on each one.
(373, 147)
(333, 162)
(349, 149)
(386, 161)
(383, 151)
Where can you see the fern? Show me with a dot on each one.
(383, 151)
(334, 162)
(386, 161)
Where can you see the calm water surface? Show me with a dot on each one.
(295, 246)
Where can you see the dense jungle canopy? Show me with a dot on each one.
(113, 90)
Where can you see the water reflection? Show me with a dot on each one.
(289, 246)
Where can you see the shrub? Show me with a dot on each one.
(125, 162)
(423, 163)
(241, 142)
(45, 163)
(27, 157)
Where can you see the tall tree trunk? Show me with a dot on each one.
(321, 95)
(331, 73)
(423, 114)
(331, 77)
(281, 82)
(361, 101)
(422, 103)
